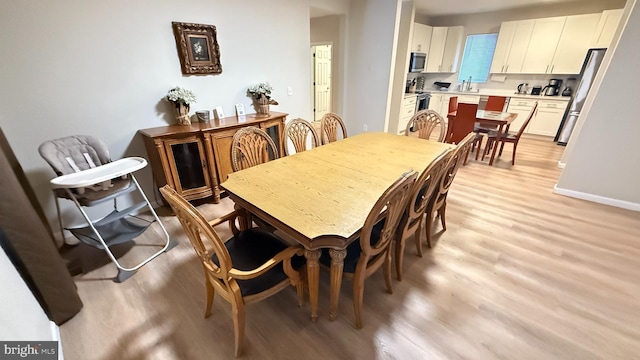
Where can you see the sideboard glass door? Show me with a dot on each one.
(274, 129)
(188, 165)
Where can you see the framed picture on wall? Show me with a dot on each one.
(198, 48)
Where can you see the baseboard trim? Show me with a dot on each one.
(596, 198)
(561, 165)
(55, 336)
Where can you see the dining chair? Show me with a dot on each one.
(494, 103)
(372, 250)
(300, 132)
(453, 106)
(438, 202)
(251, 146)
(509, 137)
(412, 220)
(464, 124)
(251, 266)
(424, 122)
(330, 124)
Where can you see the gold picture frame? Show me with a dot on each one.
(198, 48)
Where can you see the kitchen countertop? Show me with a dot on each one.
(507, 93)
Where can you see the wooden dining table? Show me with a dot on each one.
(321, 197)
(500, 120)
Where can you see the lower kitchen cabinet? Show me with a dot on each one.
(195, 159)
(547, 118)
(522, 107)
(407, 111)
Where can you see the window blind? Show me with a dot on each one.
(477, 57)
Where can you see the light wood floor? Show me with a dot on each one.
(520, 273)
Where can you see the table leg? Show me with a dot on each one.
(337, 263)
(495, 147)
(313, 277)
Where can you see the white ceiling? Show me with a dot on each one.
(449, 7)
(452, 7)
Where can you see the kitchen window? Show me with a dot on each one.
(477, 57)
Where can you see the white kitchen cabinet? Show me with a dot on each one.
(469, 99)
(407, 110)
(435, 103)
(606, 28)
(511, 48)
(522, 107)
(421, 39)
(547, 118)
(574, 43)
(542, 45)
(452, 49)
(436, 49)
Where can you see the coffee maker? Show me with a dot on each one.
(553, 88)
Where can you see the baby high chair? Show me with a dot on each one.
(88, 177)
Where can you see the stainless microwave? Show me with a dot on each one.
(417, 62)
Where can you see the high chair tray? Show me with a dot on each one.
(99, 174)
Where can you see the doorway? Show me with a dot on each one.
(321, 89)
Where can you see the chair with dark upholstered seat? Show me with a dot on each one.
(438, 201)
(300, 132)
(329, 126)
(252, 146)
(424, 122)
(412, 220)
(249, 267)
(373, 249)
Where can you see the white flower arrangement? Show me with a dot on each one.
(180, 95)
(261, 89)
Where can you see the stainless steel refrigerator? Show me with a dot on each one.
(587, 74)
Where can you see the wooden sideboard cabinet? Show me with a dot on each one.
(195, 159)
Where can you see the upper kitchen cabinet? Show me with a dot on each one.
(574, 43)
(421, 38)
(606, 28)
(513, 41)
(436, 49)
(452, 49)
(542, 45)
(445, 49)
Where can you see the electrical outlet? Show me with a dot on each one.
(364, 127)
(289, 90)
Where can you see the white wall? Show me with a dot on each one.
(603, 163)
(371, 41)
(405, 33)
(21, 317)
(103, 68)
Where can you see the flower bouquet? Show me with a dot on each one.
(182, 99)
(261, 93)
